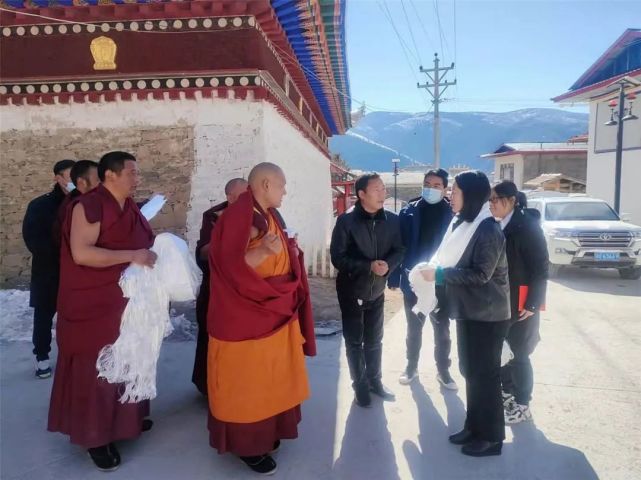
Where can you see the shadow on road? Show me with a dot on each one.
(594, 280)
(529, 456)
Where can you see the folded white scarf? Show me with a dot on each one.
(448, 255)
(132, 359)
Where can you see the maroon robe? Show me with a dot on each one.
(199, 375)
(239, 297)
(90, 307)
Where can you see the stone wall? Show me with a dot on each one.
(187, 149)
(165, 157)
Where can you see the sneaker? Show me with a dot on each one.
(446, 380)
(521, 413)
(408, 376)
(509, 403)
(263, 464)
(43, 368)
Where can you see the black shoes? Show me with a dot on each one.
(276, 447)
(362, 397)
(106, 458)
(482, 448)
(461, 438)
(263, 464)
(377, 388)
(147, 424)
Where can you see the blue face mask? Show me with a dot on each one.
(431, 195)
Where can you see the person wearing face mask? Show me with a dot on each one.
(37, 232)
(423, 223)
(527, 258)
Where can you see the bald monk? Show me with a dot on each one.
(104, 233)
(260, 326)
(233, 189)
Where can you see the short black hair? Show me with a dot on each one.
(81, 170)
(114, 161)
(229, 186)
(62, 165)
(438, 172)
(508, 189)
(362, 182)
(476, 192)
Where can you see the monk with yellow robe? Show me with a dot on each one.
(260, 326)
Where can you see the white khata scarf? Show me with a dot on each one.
(132, 359)
(448, 255)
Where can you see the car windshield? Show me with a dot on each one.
(579, 211)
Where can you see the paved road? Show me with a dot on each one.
(587, 407)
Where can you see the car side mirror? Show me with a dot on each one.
(625, 217)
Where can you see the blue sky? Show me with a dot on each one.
(509, 54)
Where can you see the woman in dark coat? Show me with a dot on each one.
(478, 294)
(527, 258)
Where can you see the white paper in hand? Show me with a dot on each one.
(150, 209)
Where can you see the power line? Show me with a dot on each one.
(422, 24)
(409, 26)
(440, 29)
(388, 14)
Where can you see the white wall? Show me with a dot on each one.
(307, 208)
(601, 167)
(230, 136)
(517, 160)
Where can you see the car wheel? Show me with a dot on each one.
(630, 273)
(553, 270)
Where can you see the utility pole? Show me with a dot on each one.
(620, 117)
(435, 76)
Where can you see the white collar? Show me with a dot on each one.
(506, 220)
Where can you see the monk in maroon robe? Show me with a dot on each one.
(103, 235)
(233, 189)
(260, 326)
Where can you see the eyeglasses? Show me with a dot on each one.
(494, 200)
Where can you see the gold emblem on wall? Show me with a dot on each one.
(103, 50)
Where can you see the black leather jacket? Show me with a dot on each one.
(478, 287)
(357, 240)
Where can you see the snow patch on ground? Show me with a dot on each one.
(16, 318)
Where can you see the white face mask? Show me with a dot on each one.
(431, 195)
(70, 187)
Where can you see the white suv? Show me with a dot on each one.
(586, 232)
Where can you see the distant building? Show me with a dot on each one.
(595, 87)
(521, 162)
(555, 182)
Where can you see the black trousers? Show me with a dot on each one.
(42, 322)
(440, 324)
(517, 376)
(363, 334)
(479, 347)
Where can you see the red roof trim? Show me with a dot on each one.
(600, 84)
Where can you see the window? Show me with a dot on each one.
(507, 171)
(579, 211)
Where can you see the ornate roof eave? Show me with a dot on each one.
(265, 17)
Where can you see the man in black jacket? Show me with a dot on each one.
(38, 235)
(424, 222)
(366, 246)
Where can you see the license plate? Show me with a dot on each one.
(606, 256)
